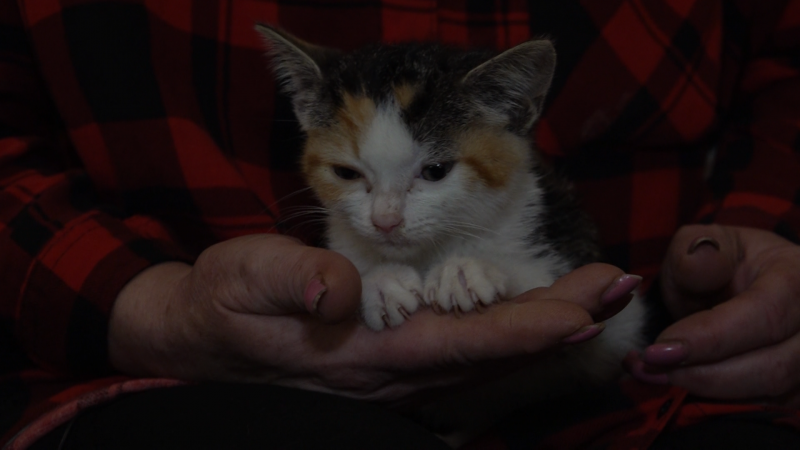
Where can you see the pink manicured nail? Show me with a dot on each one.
(621, 287)
(703, 240)
(314, 292)
(636, 367)
(665, 354)
(585, 333)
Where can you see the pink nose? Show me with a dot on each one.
(387, 222)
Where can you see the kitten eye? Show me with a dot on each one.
(346, 173)
(436, 172)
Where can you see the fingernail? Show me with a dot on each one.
(585, 333)
(314, 292)
(665, 354)
(621, 287)
(636, 367)
(703, 240)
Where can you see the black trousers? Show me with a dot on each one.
(231, 416)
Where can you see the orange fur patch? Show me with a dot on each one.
(324, 149)
(494, 155)
(356, 113)
(405, 94)
(336, 145)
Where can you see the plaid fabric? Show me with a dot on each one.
(142, 131)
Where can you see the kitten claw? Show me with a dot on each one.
(390, 294)
(404, 313)
(431, 296)
(437, 308)
(462, 284)
(479, 305)
(456, 308)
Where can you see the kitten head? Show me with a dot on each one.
(409, 145)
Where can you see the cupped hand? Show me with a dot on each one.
(266, 308)
(736, 294)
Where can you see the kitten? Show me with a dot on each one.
(422, 157)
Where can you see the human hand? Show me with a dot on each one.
(245, 312)
(736, 294)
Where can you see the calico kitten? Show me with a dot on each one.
(422, 157)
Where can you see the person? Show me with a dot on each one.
(146, 157)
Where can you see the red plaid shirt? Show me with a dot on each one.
(142, 131)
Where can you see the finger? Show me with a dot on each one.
(580, 286)
(505, 330)
(698, 268)
(322, 282)
(292, 277)
(330, 284)
(770, 373)
(539, 320)
(765, 311)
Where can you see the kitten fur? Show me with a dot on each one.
(422, 157)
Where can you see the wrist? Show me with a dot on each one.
(139, 336)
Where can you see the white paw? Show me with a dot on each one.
(464, 284)
(389, 295)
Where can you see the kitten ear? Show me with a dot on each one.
(297, 65)
(511, 87)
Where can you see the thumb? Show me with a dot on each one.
(279, 275)
(698, 268)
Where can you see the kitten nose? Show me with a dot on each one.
(387, 222)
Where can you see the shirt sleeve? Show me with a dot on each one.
(64, 256)
(755, 179)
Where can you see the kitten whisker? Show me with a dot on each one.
(458, 232)
(470, 225)
(464, 235)
(301, 210)
(297, 214)
(312, 222)
(310, 215)
(292, 194)
(287, 197)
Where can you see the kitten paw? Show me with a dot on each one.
(463, 284)
(389, 295)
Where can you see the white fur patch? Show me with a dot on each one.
(464, 284)
(389, 293)
(388, 151)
